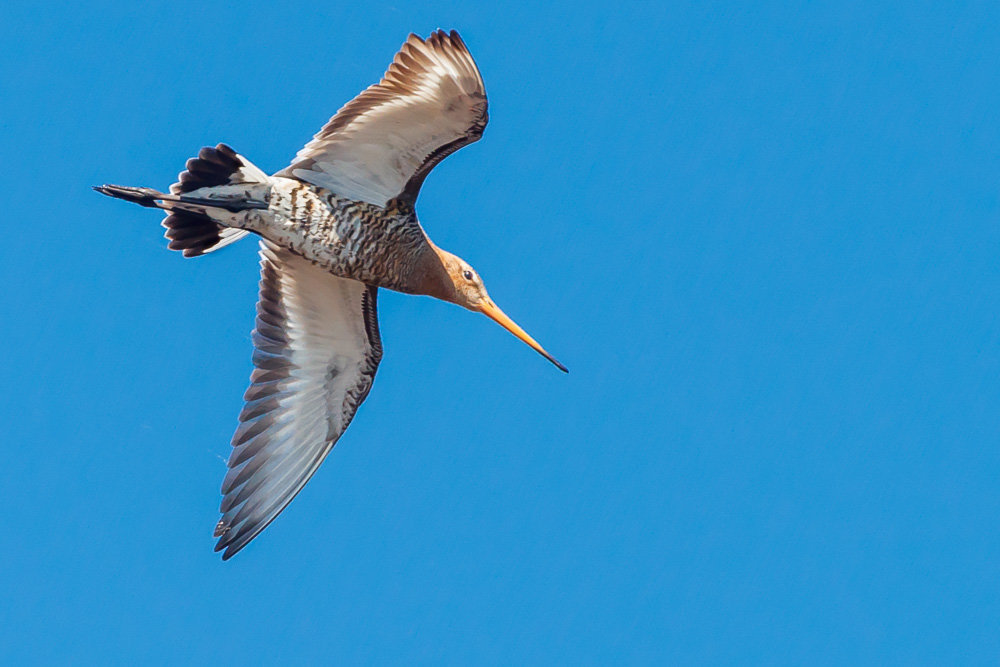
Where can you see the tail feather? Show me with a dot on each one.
(193, 234)
(214, 167)
(189, 228)
(196, 234)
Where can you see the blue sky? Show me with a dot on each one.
(764, 240)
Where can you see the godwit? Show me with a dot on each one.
(335, 225)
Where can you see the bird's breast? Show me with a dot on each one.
(375, 245)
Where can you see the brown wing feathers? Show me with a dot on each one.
(430, 102)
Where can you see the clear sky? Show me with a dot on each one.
(764, 240)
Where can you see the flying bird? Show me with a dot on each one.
(335, 225)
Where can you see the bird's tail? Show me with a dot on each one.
(205, 197)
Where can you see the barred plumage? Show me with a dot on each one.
(336, 224)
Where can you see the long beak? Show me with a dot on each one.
(491, 310)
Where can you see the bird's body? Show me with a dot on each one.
(384, 246)
(336, 225)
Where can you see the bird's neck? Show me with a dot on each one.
(431, 276)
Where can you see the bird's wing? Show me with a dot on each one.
(316, 349)
(430, 102)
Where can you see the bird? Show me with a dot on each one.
(334, 226)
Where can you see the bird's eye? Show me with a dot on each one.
(467, 275)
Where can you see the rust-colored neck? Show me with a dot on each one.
(431, 274)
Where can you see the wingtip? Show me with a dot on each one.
(224, 545)
(232, 547)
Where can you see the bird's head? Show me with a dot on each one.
(467, 290)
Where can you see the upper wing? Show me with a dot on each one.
(380, 145)
(316, 349)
